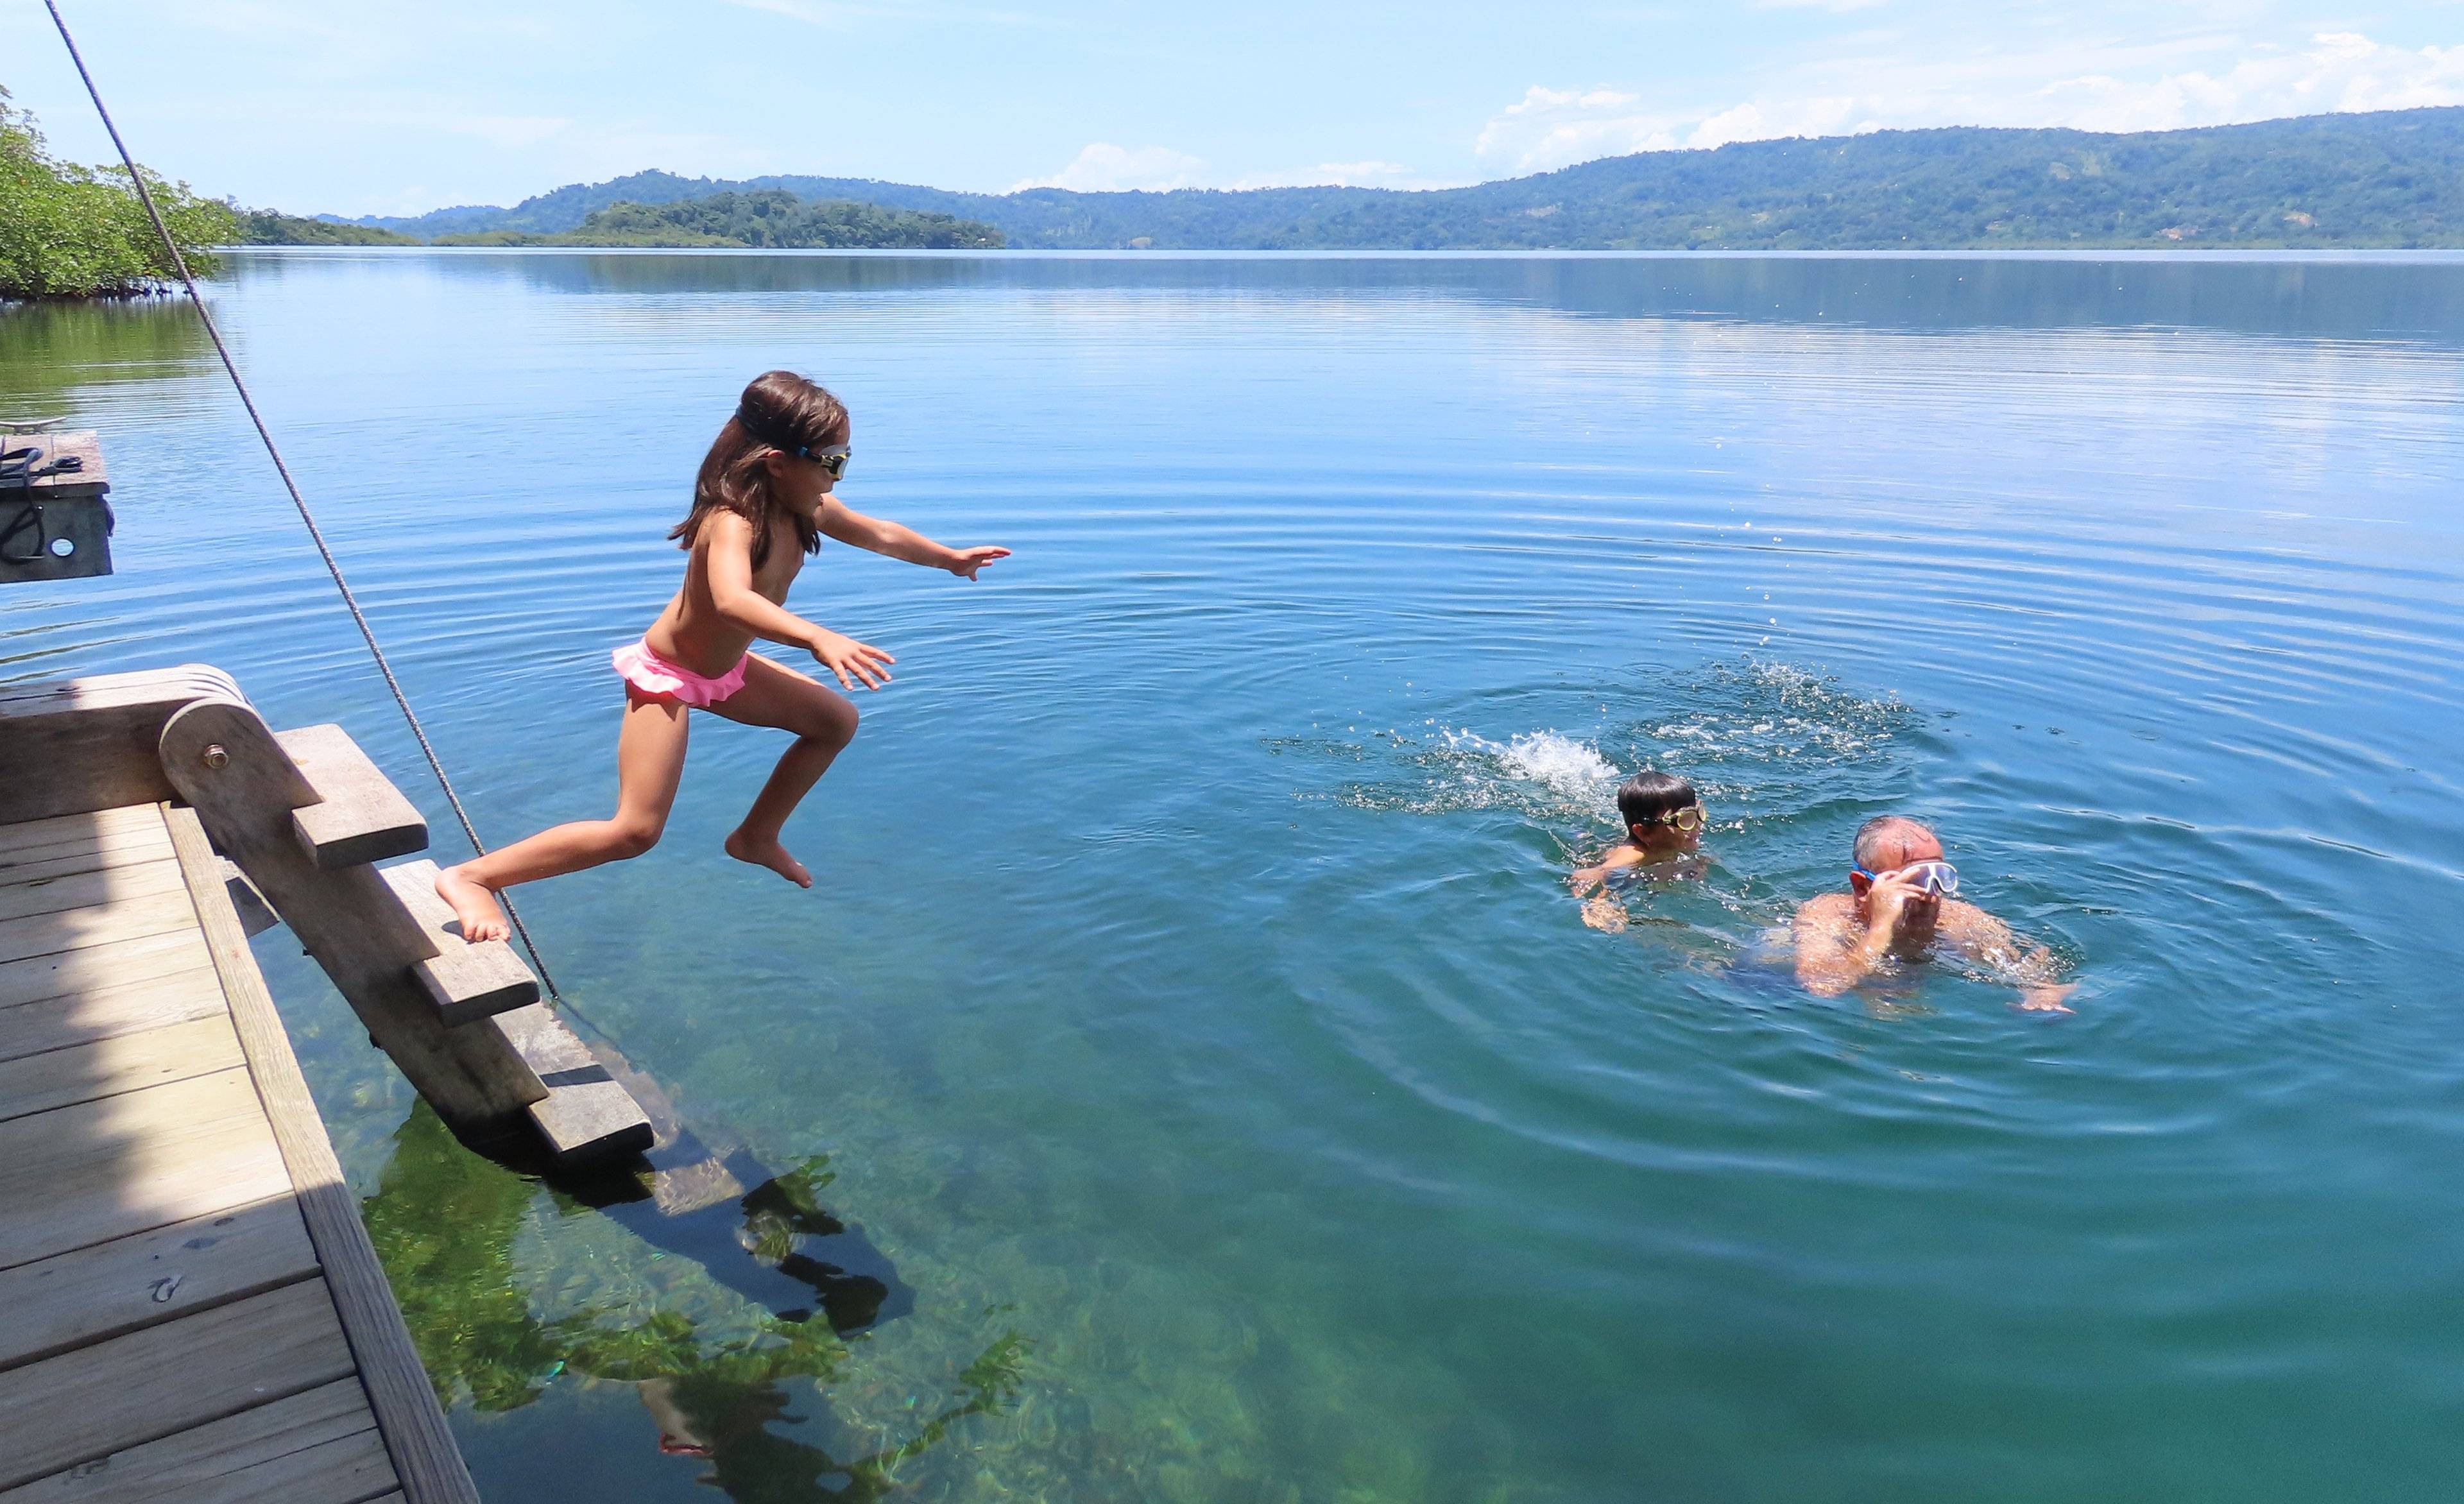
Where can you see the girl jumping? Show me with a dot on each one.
(762, 502)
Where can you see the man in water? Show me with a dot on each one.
(1899, 905)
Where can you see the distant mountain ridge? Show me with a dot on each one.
(2391, 178)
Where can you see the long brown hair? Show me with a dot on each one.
(780, 412)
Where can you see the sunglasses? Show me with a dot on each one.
(1687, 819)
(1935, 879)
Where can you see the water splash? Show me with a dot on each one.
(1758, 739)
(1544, 775)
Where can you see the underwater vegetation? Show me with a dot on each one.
(713, 1375)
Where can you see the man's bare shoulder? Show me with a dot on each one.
(1962, 919)
(1825, 910)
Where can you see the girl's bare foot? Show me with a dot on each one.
(768, 853)
(474, 905)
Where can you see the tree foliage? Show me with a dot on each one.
(73, 231)
(2388, 178)
(264, 227)
(765, 219)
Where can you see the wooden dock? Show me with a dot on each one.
(189, 1307)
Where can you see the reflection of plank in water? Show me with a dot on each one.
(771, 1243)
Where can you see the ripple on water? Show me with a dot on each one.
(1193, 993)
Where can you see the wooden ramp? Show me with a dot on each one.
(189, 1306)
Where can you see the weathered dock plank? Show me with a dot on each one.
(62, 973)
(47, 1024)
(84, 851)
(320, 1447)
(93, 825)
(189, 1306)
(95, 742)
(97, 924)
(424, 1458)
(101, 1170)
(124, 1063)
(88, 1294)
(96, 1401)
(23, 894)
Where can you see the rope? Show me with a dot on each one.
(315, 534)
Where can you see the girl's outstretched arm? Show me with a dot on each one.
(731, 590)
(895, 541)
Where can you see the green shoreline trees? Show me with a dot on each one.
(762, 219)
(73, 231)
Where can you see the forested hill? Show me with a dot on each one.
(2391, 178)
(762, 218)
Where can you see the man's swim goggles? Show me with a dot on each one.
(1936, 878)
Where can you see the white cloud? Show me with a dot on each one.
(1103, 167)
(2111, 90)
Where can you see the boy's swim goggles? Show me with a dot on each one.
(1934, 878)
(1689, 818)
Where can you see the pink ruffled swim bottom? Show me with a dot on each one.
(646, 670)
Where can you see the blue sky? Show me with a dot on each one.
(396, 106)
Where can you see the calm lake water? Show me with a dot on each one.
(1191, 1024)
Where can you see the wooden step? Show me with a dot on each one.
(587, 1115)
(359, 816)
(466, 982)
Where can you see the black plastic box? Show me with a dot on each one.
(54, 525)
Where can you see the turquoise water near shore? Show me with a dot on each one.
(1191, 1007)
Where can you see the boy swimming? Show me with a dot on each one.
(1664, 825)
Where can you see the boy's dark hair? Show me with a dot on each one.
(790, 411)
(1648, 795)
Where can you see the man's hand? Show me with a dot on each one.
(965, 561)
(846, 656)
(1885, 902)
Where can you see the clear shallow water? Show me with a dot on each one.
(1192, 1011)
